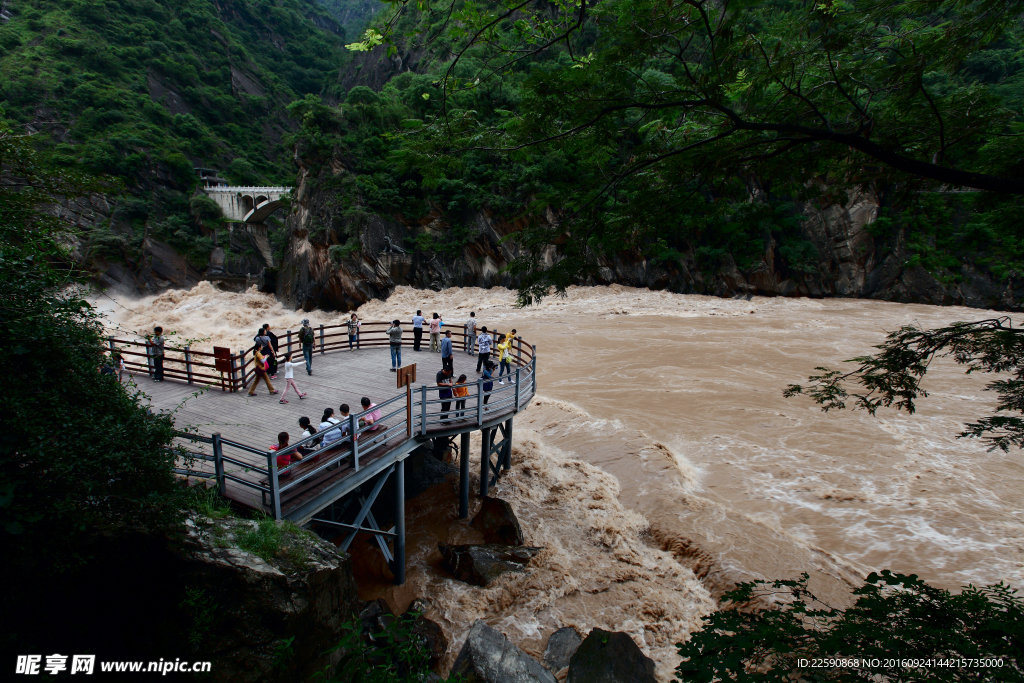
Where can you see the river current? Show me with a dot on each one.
(660, 463)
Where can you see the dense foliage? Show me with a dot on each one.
(899, 629)
(80, 453)
(668, 118)
(144, 91)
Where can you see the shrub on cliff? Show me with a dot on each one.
(79, 454)
(900, 629)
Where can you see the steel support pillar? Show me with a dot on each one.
(464, 477)
(399, 562)
(487, 438)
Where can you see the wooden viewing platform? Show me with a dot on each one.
(226, 434)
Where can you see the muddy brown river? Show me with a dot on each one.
(660, 463)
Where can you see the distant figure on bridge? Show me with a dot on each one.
(261, 365)
(483, 343)
(505, 357)
(353, 330)
(447, 353)
(395, 336)
(390, 248)
(417, 329)
(283, 461)
(444, 393)
(289, 379)
(435, 333)
(461, 392)
(308, 339)
(372, 420)
(488, 384)
(157, 345)
(470, 340)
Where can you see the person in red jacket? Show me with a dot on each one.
(285, 459)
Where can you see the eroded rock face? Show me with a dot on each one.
(306, 592)
(498, 523)
(481, 564)
(610, 657)
(489, 656)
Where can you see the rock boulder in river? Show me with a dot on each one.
(562, 645)
(488, 656)
(481, 564)
(498, 523)
(610, 657)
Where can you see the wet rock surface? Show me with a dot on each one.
(488, 655)
(610, 657)
(481, 564)
(562, 645)
(498, 523)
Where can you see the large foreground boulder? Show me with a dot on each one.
(607, 657)
(481, 564)
(488, 656)
(562, 645)
(498, 523)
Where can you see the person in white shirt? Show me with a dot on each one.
(289, 378)
(470, 341)
(483, 342)
(417, 330)
(328, 421)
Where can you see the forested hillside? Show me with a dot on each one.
(145, 90)
(784, 147)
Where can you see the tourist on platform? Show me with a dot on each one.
(326, 423)
(488, 384)
(435, 333)
(261, 342)
(505, 357)
(372, 420)
(119, 364)
(345, 421)
(283, 461)
(354, 324)
(470, 340)
(308, 339)
(444, 380)
(395, 338)
(274, 347)
(308, 430)
(447, 354)
(483, 343)
(461, 392)
(417, 329)
(156, 343)
(260, 366)
(289, 378)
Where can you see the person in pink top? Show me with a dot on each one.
(373, 418)
(435, 333)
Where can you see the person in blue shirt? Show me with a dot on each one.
(488, 384)
(447, 359)
(444, 392)
(417, 330)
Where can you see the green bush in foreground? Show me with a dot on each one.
(900, 629)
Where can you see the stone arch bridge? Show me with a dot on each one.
(251, 205)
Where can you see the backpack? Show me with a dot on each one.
(306, 335)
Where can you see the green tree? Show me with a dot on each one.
(899, 629)
(661, 102)
(80, 453)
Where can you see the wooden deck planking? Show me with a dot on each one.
(338, 377)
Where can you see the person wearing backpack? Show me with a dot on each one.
(308, 339)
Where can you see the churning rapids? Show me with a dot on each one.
(660, 463)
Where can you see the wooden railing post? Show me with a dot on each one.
(188, 363)
(218, 463)
(289, 341)
(234, 372)
(110, 340)
(479, 401)
(149, 361)
(519, 350)
(275, 491)
(321, 339)
(423, 410)
(353, 427)
(533, 362)
(465, 336)
(408, 411)
(241, 366)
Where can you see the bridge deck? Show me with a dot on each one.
(338, 377)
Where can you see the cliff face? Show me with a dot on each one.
(850, 262)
